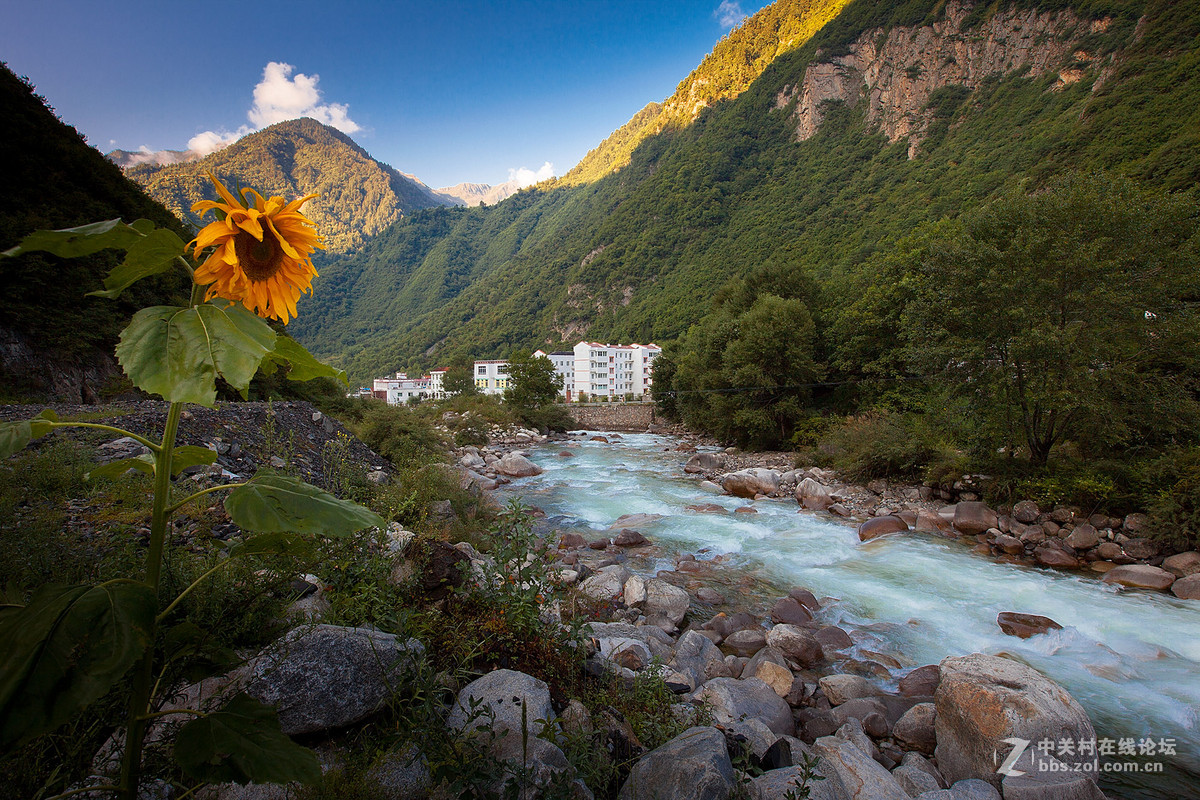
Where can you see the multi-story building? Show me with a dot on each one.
(401, 389)
(613, 370)
(491, 377)
(435, 378)
(564, 367)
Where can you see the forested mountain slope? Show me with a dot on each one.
(358, 196)
(54, 340)
(890, 116)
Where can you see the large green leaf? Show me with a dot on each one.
(304, 366)
(66, 649)
(153, 254)
(272, 503)
(83, 240)
(188, 455)
(243, 743)
(15, 435)
(115, 469)
(273, 544)
(178, 353)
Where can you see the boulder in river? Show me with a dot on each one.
(1015, 623)
(1140, 576)
(515, 465)
(880, 526)
(983, 700)
(751, 482)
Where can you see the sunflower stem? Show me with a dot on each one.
(139, 702)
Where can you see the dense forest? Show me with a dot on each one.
(52, 179)
(639, 254)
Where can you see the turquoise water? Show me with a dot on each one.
(1132, 659)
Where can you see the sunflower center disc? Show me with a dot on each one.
(259, 260)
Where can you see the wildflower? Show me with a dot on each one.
(263, 252)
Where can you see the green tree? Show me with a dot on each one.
(533, 390)
(1069, 313)
(745, 377)
(532, 381)
(460, 379)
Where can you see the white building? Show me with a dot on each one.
(491, 377)
(613, 370)
(435, 378)
(401, 389)
(564, 367)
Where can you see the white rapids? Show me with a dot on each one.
(1132, 659)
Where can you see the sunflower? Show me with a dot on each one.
(263, 252)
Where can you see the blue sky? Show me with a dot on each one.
(448, 91)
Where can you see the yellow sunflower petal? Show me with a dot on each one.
(229, 199)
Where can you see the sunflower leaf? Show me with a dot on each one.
(271, 503)
(81, 241)
(115, 469)
(190, 456)
(150, 255)
(66, 649)
(273, 544)
(14, 436)
(178, 353)
(304, 365)
(243, 743)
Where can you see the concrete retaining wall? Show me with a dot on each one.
(634, 417)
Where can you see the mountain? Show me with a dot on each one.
(54, 341)
(358, 196)
(734, 64)
(472, 194)
(889, 116)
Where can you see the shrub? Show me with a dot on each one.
(885, 444)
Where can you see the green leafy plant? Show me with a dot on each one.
(68, 646)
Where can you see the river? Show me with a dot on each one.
(1132, 659)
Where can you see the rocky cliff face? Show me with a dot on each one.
(895, 72)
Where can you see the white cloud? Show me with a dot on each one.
(729, 13)
(278, 97)
(212, 141)
(524, 176)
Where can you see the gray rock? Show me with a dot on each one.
(861, 776)
(974, 789)
(705, 462)
(747, 642)
(666, 602)
(1187, 587)
(985, 699)
(1025, 512)
(735, 700)
(607, 584)
(323, 677)
(918, 761)
(515, 465)
(751, 482)
(533, 765)
(915, 730)
(778, 784)
(813, 495)
(840, 688)
(697, 658)
(401, 774)
(497, 700)
(914, 781)
(798, 644)
(695, 764)
(1140, 576)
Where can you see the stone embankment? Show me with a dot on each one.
(631, 417)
